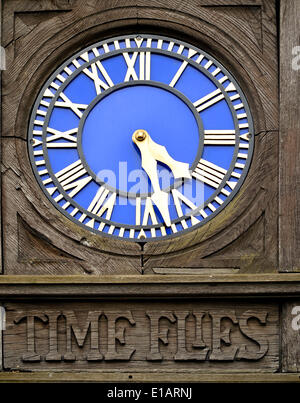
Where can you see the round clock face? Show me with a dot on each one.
(141, 138)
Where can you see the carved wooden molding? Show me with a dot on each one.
(158, 286)
(133, 377)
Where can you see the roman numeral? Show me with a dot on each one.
(183, 66)
(93, 75)
(102, 202)
(178, 198)
(209, 173)
(48, 93)
(144, 69)
(219, 137)
(67, 103)
(209, 100)
(149, 213)
(215, 96)
(72, 178)
(69, 135)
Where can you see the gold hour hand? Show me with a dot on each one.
(152, 152)
(160, 153)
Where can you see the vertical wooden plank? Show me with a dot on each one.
(1, 66)
(289, 146)
(291, 337)
(2, 328)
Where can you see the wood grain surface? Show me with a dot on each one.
(2, 321)
(143, 377)
(291, 336)
(78, 302)
(38, 36)
(289, 150)
(281, 286)
(2, 62)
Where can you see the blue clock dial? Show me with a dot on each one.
(141, 138)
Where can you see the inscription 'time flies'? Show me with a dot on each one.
(214, 335)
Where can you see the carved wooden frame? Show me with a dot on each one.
(230, 240)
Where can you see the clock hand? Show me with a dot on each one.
(152, 152)
(149, 164)
(160, 153)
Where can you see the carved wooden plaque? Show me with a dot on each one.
(143, 336)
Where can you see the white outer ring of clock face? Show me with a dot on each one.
(194, 57)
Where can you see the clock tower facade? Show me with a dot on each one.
(149, 190)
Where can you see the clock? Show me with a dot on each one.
(140, 137)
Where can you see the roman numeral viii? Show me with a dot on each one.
(72, 178)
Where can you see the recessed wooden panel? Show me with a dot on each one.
(143, 336)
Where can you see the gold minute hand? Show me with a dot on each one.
(152, 152)
(149, 164)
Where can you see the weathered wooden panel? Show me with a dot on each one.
(210, 285)
(291, 337)
(39, 35)
(143, 336)
(289, 151)
(2, 327)
(2, 65)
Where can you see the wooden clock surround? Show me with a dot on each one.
(57, 277)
